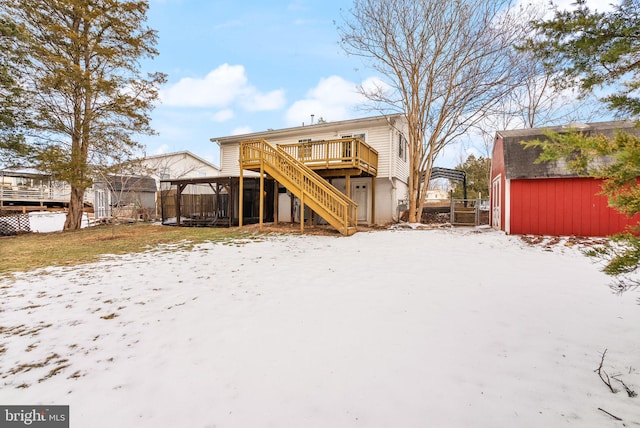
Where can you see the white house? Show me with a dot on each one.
(30, 189)
(183, 164)
(365, 159)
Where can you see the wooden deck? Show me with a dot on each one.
(312, 190)
(336, 158)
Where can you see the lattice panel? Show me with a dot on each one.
(13, 224)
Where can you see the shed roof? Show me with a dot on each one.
(520, 162)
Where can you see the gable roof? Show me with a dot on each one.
(298, 130)
(182, 152)
(520, 162)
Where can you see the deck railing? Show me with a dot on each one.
(19, 193)
(335, 154)
(333, 205)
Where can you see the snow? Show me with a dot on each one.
(396, 328)
(49, 221)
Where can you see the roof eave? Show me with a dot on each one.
(296, 130)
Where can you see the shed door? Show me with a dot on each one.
(495, 203)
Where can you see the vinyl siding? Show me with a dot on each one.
(230, 161)
(401, 171)
(389, 164)
(391, 181)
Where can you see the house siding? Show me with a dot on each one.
(392, 173)
(563, 206)
(230, 161)
(400, 165)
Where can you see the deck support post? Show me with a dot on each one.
(240, 195)
(302, 213)
(347, 186)
(261, 210)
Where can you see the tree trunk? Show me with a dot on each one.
(76, 204)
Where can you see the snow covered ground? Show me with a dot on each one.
(48, 221)
(404, 328)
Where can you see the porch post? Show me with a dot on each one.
(240, 197)
(178, 203)
(302, 213)
(261, 210)
(347, 186)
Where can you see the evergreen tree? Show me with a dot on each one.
(88, 96)
(11, 111)
(595, 50)
(478, 171)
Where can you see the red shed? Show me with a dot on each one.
(547, 198)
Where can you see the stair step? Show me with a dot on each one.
(288, 170)
(351, 230)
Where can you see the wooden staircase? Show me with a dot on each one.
(312, 190)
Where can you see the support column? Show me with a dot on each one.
(347, 186)
(240, 198)
(178, 203)
(302, 213)
(261, 196)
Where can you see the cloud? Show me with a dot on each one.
(273, 100)
(241, 130)
(164, 148)
(598, 5)
(222, 87)
(334, 98)
(223, 115)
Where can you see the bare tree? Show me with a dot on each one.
(536, 100)
(445, 65)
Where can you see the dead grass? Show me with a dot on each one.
(31, 251)
(37, 250)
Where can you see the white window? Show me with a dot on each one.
(402, 148)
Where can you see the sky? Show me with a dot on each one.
(236, 67)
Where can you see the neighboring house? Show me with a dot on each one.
(125, 196)
(29, 189)
(547, 198)
(174, 165)
(436, 196)
(364, 159)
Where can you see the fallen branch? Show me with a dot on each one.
(631, 393)
(606, 381)
(613, 416)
